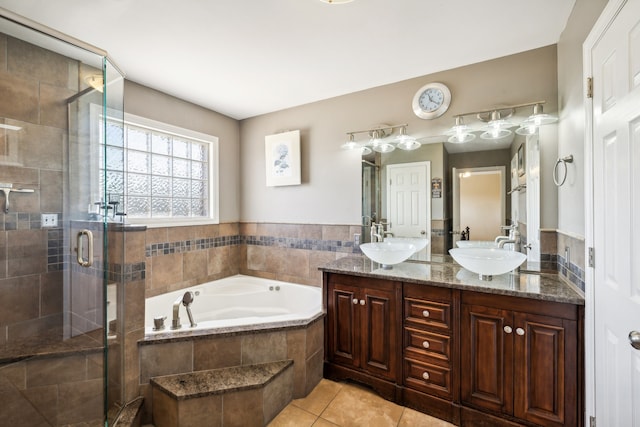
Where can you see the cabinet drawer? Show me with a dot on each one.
(427, 346)
(424, 313)
(431, 379)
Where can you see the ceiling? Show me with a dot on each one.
(244, 58)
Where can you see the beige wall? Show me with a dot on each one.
(330, 190)
(149, 103)
(571, 110)
(479, 205)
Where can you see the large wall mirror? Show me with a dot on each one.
(452, 191)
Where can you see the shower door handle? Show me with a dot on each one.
(89, 261)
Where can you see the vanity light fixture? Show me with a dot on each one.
(379, 141)
(336, 1)
(406, 142)
(460, 133)
(497, 126)
(537, 119)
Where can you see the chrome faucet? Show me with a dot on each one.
(185, 300)
(514, 237)
(375, 232)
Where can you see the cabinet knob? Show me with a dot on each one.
(425, 313)
(362, 302)
(508, 329)
(520, 331)
(425, 344)
(425, 375)
(355, 300)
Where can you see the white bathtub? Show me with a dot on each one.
(237, 303)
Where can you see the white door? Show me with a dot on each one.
(409, 207)
(615, 66)
(533, 197)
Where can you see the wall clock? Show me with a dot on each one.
(431, 101)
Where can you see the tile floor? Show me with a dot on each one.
(333, 404)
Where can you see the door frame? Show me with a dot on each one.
(455, 181)
(609, 13)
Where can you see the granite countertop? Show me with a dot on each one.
(218, 381)
(548, 287)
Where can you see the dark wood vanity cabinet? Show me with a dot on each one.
(363, 329)
(519, 358)
(471, 358)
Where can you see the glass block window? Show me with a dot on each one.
(160, 171)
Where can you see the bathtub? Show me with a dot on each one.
(236, 303)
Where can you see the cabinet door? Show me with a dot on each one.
(487, 358)
(545, 369)
(380, 332)
(343, 324)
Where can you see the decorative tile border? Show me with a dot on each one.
(296, 243)
(158, 249)
(572, 272)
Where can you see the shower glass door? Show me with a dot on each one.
(59, 358)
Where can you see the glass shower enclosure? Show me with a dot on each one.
(60, 357)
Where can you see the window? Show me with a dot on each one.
(159, 173)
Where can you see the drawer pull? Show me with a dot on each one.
(425, 344)
(425, 313)
(508, 329)
(425, 375)
(520, 331)
(355, 300)
(362, 302)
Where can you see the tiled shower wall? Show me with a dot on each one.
(34, 84)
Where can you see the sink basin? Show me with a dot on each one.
(487, 262)
(388, 253)
(418, 242)
(476, 244)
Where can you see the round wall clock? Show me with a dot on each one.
(431, 101)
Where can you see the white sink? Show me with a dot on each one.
(388, 253)
(419, 243)
(487, 262)
(476, 244)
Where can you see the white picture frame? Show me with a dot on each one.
(282, 158)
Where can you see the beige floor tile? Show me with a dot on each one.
(323, 423)
(319, 398)
(411, 418)
(292, 416)
(355, 406)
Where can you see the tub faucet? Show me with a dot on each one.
(185, 300)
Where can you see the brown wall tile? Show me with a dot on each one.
(25, 59)
(19, 299)
(19, 98)
(261, 348)
(56, 370)
(51, 298)
(53, 105)
(156, 235)
(195, 265)
(336, 232)
(202, 411)
(165, 359)
(166, 270)
(41, 147)
(277, 394)
(165, 409)
(51, 185)
(216, 353)
(243, 409)
(80, 402)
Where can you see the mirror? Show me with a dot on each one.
(482, 187)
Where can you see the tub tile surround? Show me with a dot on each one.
(553, 251)
(187, 354)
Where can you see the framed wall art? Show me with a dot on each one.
(282, 158)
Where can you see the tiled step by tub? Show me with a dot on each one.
(244, 396)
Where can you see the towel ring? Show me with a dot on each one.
(563, 161)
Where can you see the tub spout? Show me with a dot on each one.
(175, 321)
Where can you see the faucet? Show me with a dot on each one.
(514, 237)
(185, 300)
(375, 232)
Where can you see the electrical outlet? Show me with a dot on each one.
(49, 220)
